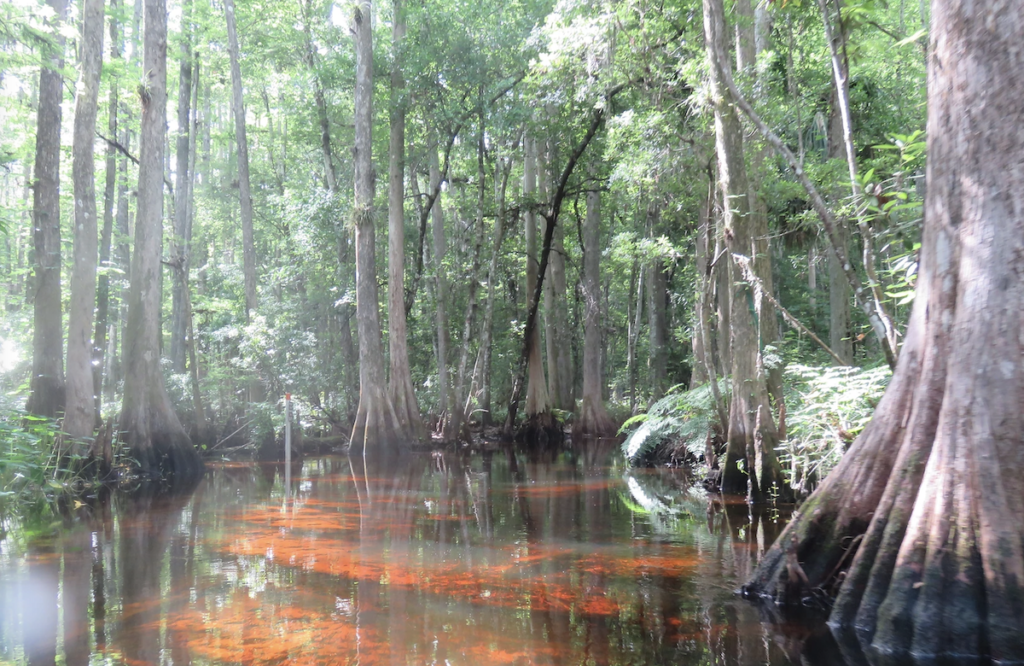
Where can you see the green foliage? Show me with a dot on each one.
(827, 408)
(32, 476)
(681, 421)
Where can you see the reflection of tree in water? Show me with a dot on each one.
(146, 526)
(509, 558)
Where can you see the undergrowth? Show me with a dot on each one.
(827, 408)
(675, 429)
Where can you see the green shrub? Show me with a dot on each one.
(827, 408)
(674, 428)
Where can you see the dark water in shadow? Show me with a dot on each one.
(495, 559)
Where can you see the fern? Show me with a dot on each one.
(681, 419)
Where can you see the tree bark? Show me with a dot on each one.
(149, 426)
(80, 408)
(318, 94)
(444, 398)
(464, 395)
(180, 243)
(928, 497)
(376, 424)
(841, 80)
(100, 376)
(752, 436)
(244, 190)
(46, 386)
(593, 419)
(400, 387)
(486, 344)
(537, 405)
(560, 389)
(657, 290)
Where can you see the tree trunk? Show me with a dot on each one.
(180, 244)
(839, 331)
(244, 190)
(657, 290)
(444, 405)
(593, 420)
(149, 426)
(633, 333)
(376, 424)
(400, 388)
(537, 405)
(464, 395)
(932, 490)
(318, 94)
(555, 334)
(841, 79)
(46, 385)
(99, 345)
(486, 345)
(80, 408)
(722, 285)
(752, 435)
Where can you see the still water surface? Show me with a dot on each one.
(491, 559)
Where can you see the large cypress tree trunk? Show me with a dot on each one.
(149, 426)
(80, 415)
(47, 381)
(752, 434)
(930, 495)
(400, 387)
(376, 423)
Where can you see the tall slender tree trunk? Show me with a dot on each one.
(537, 405)
(444, 404)
(47, 382)
(559, 357)
(400, 387)
(930, 494)
(100, 375)
(752, 435)
(330, 174)
(80, 409)
(463, 402)
(593, 419)
(244, 189)
(123, 261)
(149, 426)
(180, 245)
(722, 286)
(840, 332)
(657, 291)
(633, 333)
(486, 345)
(376, 424)
(841, 79)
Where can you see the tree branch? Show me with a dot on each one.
(124, 151)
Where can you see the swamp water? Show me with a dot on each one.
(490, 559)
